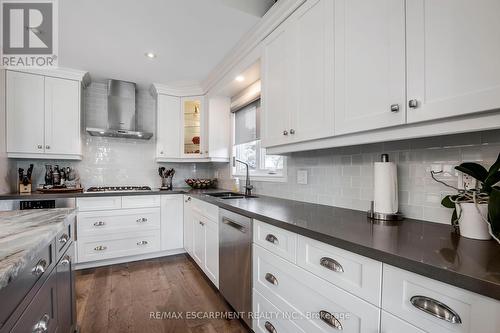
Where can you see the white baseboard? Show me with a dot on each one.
(91, 264)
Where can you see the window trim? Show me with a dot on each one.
(281, 178)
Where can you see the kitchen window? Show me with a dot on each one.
(247, 147)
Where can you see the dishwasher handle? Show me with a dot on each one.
(233, 224)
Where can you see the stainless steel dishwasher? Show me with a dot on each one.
(235, 262)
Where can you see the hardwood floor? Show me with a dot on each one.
(122, 298)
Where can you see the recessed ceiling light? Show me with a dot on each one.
(150, 55)
(240, 78)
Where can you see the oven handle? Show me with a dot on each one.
(234, 225)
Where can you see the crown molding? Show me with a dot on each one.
(272, 19)
(176, 90)
(59, 72)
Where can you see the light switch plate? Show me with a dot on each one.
(302, 177)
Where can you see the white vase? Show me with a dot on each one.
(471, 223)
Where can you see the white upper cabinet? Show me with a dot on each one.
(297, 77)
(369, 64)
(453, 53)
(278, 97)
(313, 66)
(193, 127)
(187, 130)
(168, 127)
(25, 113)
(43, 116)
(62, 116)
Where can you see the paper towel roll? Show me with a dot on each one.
(385, 196)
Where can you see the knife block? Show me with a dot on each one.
(23, 189)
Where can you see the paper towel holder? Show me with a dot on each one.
(383, 216)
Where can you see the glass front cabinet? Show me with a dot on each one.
(193, 129)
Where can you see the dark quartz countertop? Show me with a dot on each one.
(430, 249)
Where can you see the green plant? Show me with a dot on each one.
(487, 193)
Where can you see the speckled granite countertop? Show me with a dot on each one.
(23, 233)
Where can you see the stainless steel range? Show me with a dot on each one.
(119, 189)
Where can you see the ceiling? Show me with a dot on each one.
(109, 38)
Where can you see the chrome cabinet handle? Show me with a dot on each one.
(270, 328)
(66, 260)
(394, 107)
(413, 104)
(272, 239)
(292, 131)
(142, 220)
(142, 243)
(271, 279)
(47, 147)
(100, 248)
(42, 325)
(64, 239)
(436, 309)
(39, 268)
(188, 199)
(161, 153)
(201, 223)
(331, 264)
(330, 320)
(39, 146)
(99, 224)
(285, 132)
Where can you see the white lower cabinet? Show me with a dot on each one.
(116, 246)
(110, 229)
(321, 306)
(356, 274)
(268, 318)
(437, 307)
(392, 324)
(212, 251)
(201, 236)
(172, 220)
(328, 289)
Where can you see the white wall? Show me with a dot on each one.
(344, 176)
(117, 161)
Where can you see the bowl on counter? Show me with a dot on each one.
(200, 183)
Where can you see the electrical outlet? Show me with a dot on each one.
(466, 182)
(302, 177)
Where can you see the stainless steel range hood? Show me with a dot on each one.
(122, 114)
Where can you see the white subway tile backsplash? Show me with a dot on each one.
(344, 176)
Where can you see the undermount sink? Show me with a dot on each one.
(230, 195)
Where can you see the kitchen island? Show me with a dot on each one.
(36, 274)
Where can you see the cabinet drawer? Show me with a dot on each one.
(279, 241)
(391, 324)
(99, 248)
(98, 203)
(101, 223)
(475, 312)
(358, 275)
(140, 201)
(293, 289)
(29, 279)
(41, 312)
(269, 317)
(63, 238)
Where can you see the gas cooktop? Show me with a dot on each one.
(118, 188)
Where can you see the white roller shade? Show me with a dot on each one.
(246, 124)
